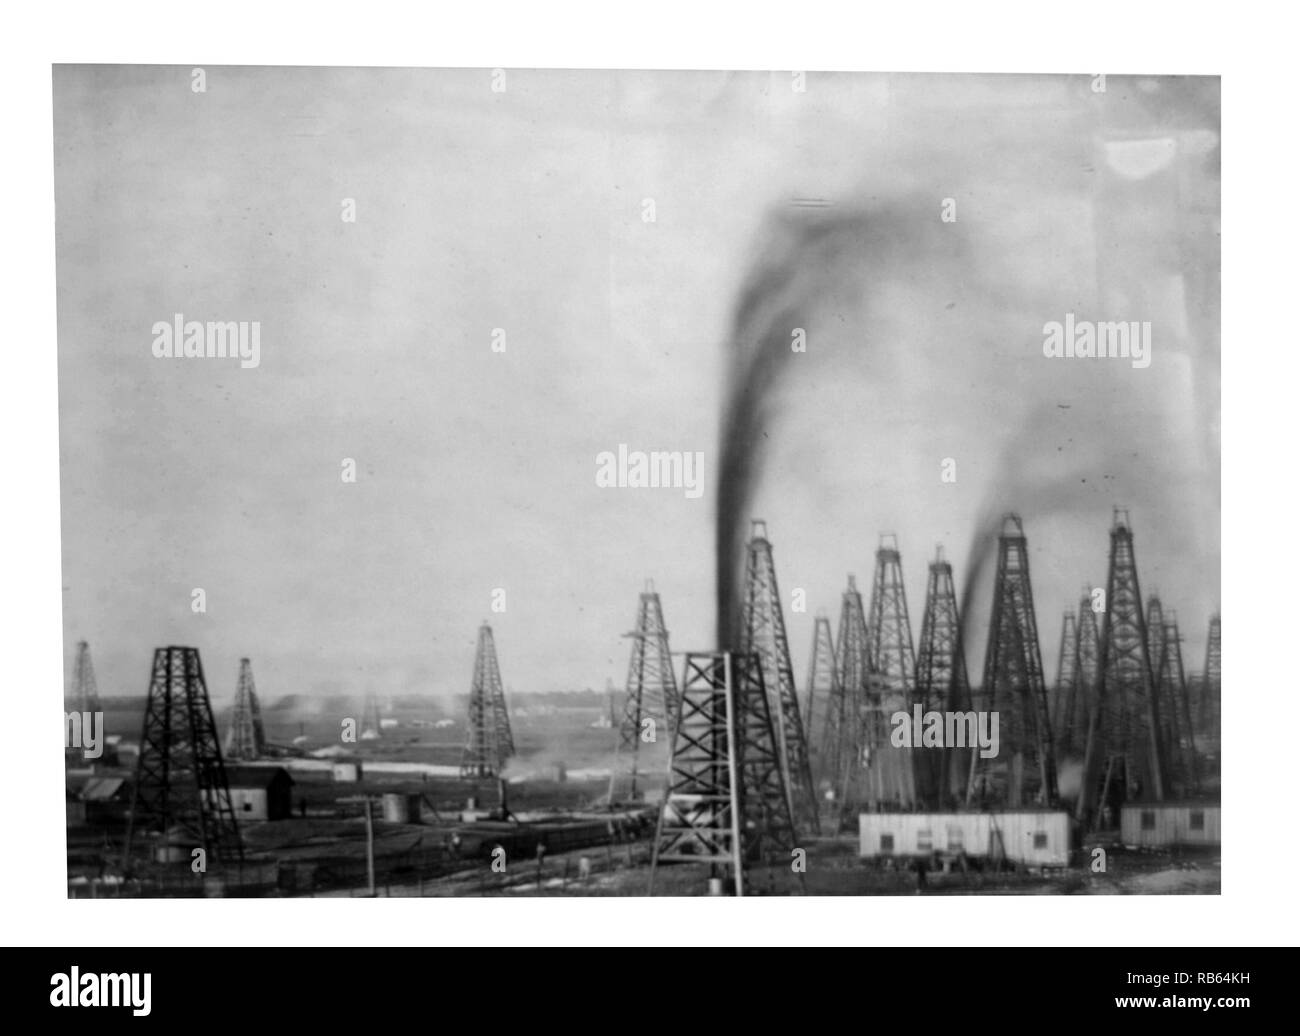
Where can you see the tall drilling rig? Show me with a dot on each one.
(1067, 660)
(728, 802)
(651, 693)
(246, 738)
(1014, 686)
(942, 682)
(1124, 760)
(83, 695)
(842, 744)
(823, 686)
(1071, 727)
(1168, 737)
(488, 741)
(1155, 621)
(181, 795)
(762, 633)
(1209, 707)
(1179, 733)
(891, 674)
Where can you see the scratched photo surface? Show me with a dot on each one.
(487, 482)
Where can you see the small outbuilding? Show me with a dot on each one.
(98, 800)
(1165, 824)
(1033, 837)
(260, 792)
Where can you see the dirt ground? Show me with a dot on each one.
(833, 869)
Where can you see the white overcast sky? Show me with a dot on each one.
(522, 210)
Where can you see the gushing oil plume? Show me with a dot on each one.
(1032, 486)
(1068, 464)
(810, 262)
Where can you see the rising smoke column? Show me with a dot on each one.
(1054, 463)
(810, 263)
(1063, 469)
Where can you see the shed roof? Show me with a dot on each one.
(102, 789)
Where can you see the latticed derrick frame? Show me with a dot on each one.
(763, 634)
(843, 738)
(942, 681)
(181, 787)
(1180, 733)
(1126, 726)
(823, 684)
(1072, 730)
(1014, 685)
(489, 742)
(727, 803)
(1066, 663)
(890, 679)
(651, 688)
(84, 693)
(247, 737)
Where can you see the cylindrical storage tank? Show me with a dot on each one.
(401, 808)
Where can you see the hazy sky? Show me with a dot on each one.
(523, 210)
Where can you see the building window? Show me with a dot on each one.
(924, 841)
(955, 844)
(1148, 820)
(886, 843)
(1198, 820)
(1040, 839)
(248, 806)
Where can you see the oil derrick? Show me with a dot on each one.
(842, 737)
(1125, 757)
(1155, 620)
(371, 728)
(1014, 687)
(651, 691)
(762, 627)
(1179, 734)
(181, 795)
(83, 695)
(823, 685)
(891, 674)
(727, 803)
(1066, 663)
(1210, 704)
(488, 743)
(246, 739)
(942, 682)
(1155, 627)
(1071, 727)
(1155, 624)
